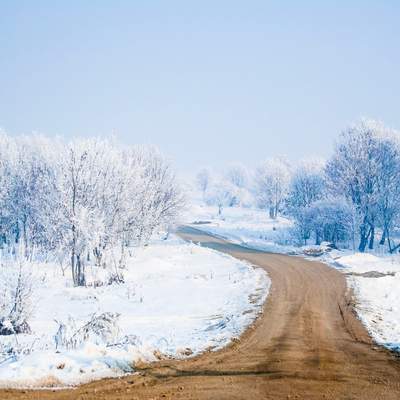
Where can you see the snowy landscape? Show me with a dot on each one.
(344, 211)
(147, 317)
(94, 280)
(199, 200)
(373, 277)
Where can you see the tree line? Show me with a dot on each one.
(351, 199)
(84, 201)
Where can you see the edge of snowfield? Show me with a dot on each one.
(375, 282)
(178, 300)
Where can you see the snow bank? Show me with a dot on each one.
(376, 285)
(178, 300)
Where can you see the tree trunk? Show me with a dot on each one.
(393, 249)
(73, 266)
(122, 263)
(383, 237)
(363, 238)
(97, 255)
(389, 244)
(25, 238)
(317, 238)
(371, 238)
(272, 213)
(77, 267)
(73, 263)
(80, 269)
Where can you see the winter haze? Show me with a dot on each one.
(209, 83)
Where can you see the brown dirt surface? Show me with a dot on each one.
(307, 344)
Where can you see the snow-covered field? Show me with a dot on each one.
(177, 300)
(376, 285)
(374, 278)
(250, 227)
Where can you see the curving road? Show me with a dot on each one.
(306, 345)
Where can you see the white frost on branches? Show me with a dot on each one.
(272, 184)
(16, 305)
(85, 200)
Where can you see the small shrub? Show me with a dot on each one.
(116, 277)
(15, 300)
(100, 328)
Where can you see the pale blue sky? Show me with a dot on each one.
(209, 82)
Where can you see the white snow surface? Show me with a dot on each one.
(377, 294)
(178, 300)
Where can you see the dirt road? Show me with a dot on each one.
(306, 345)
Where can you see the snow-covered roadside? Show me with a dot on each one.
(178, 300)
(376, 285)
(249, 227)
(374, 278)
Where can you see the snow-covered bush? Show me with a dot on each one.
(332, 221)
(115, 277)
(101, 328)
(14, 350)
(324, 220)
(16, 303)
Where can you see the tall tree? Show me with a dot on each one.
(360, 169)
(272, 184)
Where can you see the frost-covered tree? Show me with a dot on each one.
(331, 221)
(388, 184)
(80, 175)
(222, 194)
(240, 179)
(204, 180)
(238, 175)
(27, 189)
(307, 185)
(157, 193)
(364, 169)
(272, 184)
(110, 196)
(88, 198)
(324, 220)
